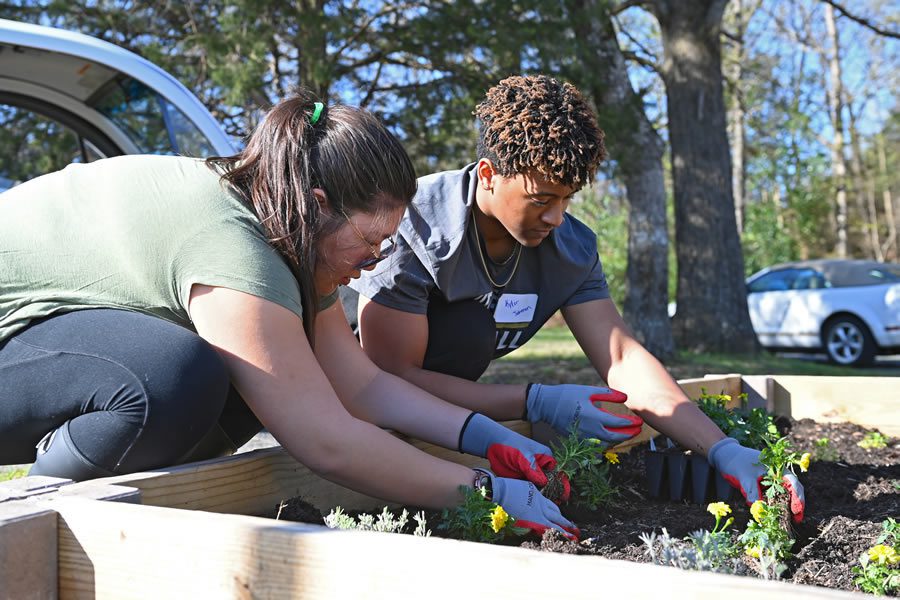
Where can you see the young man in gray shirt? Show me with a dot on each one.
(486, 254)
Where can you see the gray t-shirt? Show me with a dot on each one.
(437, 254)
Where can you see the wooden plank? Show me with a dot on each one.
(131, 552)
(25, 487)
(713, 384)
(873, 402)
(27, 551)
(253, 483)
(759, 390)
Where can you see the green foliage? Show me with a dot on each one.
(607, 216)
(878, 571)
(824, 452)
(478, 519)
(385, 522)
(13, 474)
(777, 457)
(890, 532)
(586, 465)
(765, 538)
(760, 428)
(765, 240)
(873, 440)
(754, 429)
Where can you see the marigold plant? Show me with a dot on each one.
(765, 538)
(478, 519)
(873, 440)
(498, 519)
(587, 466)
(879, 566)
(752, 429)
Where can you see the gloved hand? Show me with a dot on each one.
(510, 454)
(521, 500)
(562, 405)
(741, 468)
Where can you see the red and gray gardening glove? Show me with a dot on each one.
(741, 468)
(523, 501)
(561, 406)
(510, 454)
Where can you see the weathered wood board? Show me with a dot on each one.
(122, 552)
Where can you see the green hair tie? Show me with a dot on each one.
(317, 112)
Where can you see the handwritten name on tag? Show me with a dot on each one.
(515, 309)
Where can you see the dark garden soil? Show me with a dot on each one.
(849, 492)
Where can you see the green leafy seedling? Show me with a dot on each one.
(873, 440)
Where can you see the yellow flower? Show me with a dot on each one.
(753, 551)
(498, 519)
(758, 510)
(883, 555)
(612, 457)
(596, 441)
(718, 509)
(804, 462)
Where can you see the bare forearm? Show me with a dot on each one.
(500, 402)
(389, 401)
(657, 398)
(374, 462)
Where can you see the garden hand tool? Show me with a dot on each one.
(740, 466)
(509, 453)
(524, 502)
(561, 406)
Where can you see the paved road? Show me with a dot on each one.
(882, 363)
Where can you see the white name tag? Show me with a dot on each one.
(515, 309)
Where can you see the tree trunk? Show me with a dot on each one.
(737, 115)
(865, 193)
(836, 108)
(890, 249)
(638, 150)
(712, 299)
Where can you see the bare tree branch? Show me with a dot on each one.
(864, 22)
(644, 62)
(372, 87)
(650, 60)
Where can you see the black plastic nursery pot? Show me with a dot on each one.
(677, 474)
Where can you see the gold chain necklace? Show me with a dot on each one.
(518, 252)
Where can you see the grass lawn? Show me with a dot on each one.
(7, 474)
(553, 356)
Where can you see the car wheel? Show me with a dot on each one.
(848, 342)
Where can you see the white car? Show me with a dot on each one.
(67, 97)
(849, 309)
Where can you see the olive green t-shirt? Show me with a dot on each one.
(135, 233)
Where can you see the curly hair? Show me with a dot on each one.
(536, 123)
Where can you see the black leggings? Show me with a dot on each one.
(105, 392)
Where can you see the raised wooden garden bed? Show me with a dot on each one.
(158, 535)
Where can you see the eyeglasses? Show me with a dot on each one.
(378, 254)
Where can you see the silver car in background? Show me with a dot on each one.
(67, 97)
(848, 309)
